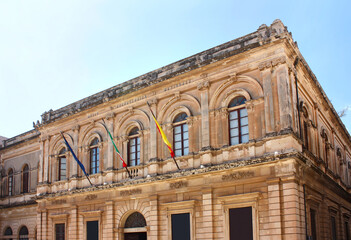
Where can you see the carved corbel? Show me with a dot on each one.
(177, 95)
(190, 121)
(124, 138)
(203, 85)
(169, 126)
(153, 101)
(109, 116)
(224, 112)
(233, 77)
(75, 128)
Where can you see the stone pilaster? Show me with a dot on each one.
(266, 73)
(109, 125)
(153, 232)
(205, 116)
(72, 226)
(108, 232)
(46, 160)
(73, 164)
(153, 132)
(207, 214)
(39, 225)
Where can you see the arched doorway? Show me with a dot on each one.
(135, 227)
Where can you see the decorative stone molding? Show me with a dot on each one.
(177, 95)
(271, 63)
(75, 128)
(153, 101)
(109, 116)
(233, 77)
(203, 85)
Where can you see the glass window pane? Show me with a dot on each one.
(185, 127)
(243, 112)
(177, 137)
(244, 121)
(178, 153)
(233, 115)
(244, 138)
(138, 140)
(138, 148)
(234, 132)
(234, 141)
(233, 123)
(177, 129)
(177, 145)
(138, 155)
(186, 151)
(186, 135)
(186, 143)
(244, 130)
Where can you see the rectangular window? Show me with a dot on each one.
(93, 230)
(180, 226)
(60, 231)
(240, 223)
(313, 224)
(333, 227)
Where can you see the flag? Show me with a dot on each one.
(75, 157)
(124, 163)
(164, 138)
(119, 155)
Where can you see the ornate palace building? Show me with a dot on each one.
(261, 150)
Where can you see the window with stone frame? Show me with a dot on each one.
(25, 179)
(10, 183)
(23, 233)
(238, 121)
(62, 165)
(181, 135)
(94, 156)
(60, 231)
(133, 147)
(8, 233)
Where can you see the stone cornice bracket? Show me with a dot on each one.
(169, 126)
(153, 101)
(124, 138)
(190, 121)
(270, 64)
(131, 110)
(177, 95)
(109, 116)
(203, 85)
(233, 77)
(75, 128)
(224, 112)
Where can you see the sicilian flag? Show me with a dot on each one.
(164, 138)
(75, 158)
(118, 153)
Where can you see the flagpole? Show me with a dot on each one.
(124, 164)
(169, 147)
(75, 157)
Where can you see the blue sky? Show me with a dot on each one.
(53, 53)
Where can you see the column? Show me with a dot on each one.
(39, 225)
(109, 222)
(205, 116)
(72, 225)
(284, 97)
(207, 215)
(41, 161)
(274, 219)
(266, 73)
(46, 160)
(73, 163)
(109, 125)
(153, 133)
(153, 232)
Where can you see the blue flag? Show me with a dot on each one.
(75, 157)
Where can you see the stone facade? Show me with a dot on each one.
(292, 171)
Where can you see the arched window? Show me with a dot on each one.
(8, 232)
(238, 121)
(135, 226)
(25, 179)
(23, 233)
(133, 147)
(62, 165)
(94, 156)
(10, 184)
(181, 135)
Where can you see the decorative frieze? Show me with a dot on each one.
(238, 176)
(130, 192)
